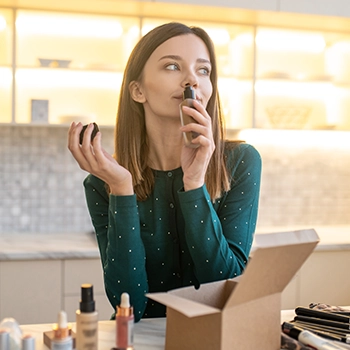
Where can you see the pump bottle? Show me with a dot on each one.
(188, 97)
(87, 320)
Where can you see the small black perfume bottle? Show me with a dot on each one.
(188, 97)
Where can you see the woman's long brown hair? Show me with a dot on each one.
(131, 146)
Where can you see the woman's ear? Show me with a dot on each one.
(136, 92)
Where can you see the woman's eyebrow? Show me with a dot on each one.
(203, 60)
(179, 58)
(173, 57)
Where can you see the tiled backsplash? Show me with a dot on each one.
(41, 184)
(305, 182)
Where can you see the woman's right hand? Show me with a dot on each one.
(92, 158)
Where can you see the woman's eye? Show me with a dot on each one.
(172, 66)
(204, 70)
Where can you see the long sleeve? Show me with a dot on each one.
(117, 227)
(219, 235)
(174, 238)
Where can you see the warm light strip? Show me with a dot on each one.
(297, 138)
(282, 40)
(5, 77)
(134, 32)
(219, 36)
(147, 28)
(2, 23)
(57, 78)
(290, 89)
(245, 39)
(341, 47)
(229, 84)
(68, 26)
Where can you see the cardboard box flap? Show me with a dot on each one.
(273, 264)
(212, 294)
(283, 238)
(187, 307)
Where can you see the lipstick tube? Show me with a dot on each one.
(124, 324)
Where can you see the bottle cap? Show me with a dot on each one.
(87, 302)
(28, 342)
(124, 309)
(62, 319)
(125, 300)
(61, 329)
(189, 92)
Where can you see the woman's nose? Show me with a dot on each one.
(190, 79)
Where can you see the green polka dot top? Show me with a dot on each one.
(175, 238)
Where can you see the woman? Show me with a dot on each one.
(167, 215)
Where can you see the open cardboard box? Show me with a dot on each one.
(242, 313)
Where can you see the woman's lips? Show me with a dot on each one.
(180, 98)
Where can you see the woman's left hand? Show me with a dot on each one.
(194, 161)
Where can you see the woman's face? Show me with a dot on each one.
(179, 61)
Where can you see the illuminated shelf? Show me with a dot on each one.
(299, 80)
(94, 50)
(85, 40)
(262, 70)
(342, 83)
(5, 94)
(73, 69)
(88, 94)
(301, 105)
(297, 74)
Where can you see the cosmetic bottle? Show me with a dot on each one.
(188, 98)
(28, 343)
(10, 334)
(61, 340)
(4, 339)
(86, 320)
(124, 324)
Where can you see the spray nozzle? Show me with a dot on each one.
(189, 92)
(87, 303)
